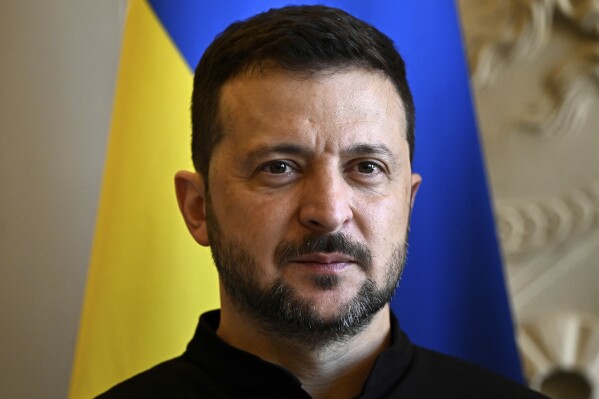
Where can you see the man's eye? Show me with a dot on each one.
(276, 167)
(367, 167)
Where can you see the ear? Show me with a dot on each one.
(191, 197)
(416, 181)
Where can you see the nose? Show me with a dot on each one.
(325, 202)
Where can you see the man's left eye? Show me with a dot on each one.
(367, 167)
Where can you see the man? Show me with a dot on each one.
(303, 136)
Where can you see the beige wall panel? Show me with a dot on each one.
(57, 76)
(535, 75)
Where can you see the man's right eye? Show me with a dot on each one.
(276, 167)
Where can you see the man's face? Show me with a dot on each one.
(310, 192)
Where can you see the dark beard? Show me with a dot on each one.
(279, 309)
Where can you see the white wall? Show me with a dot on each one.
(534, 72)
(57, 76)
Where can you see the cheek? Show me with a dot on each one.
(250, 216)
(388, 212)
(383, 223)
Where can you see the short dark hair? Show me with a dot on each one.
(304, 39)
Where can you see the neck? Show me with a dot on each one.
(338, 369)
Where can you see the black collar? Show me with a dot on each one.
(252, 374)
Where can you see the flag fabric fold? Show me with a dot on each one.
(148, 281)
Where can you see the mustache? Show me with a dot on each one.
(331, 243)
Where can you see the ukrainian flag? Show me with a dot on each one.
(148, 280)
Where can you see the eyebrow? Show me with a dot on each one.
(265, 151)
(294, 149)
(285, 148)
(366, 149)
(363, 149)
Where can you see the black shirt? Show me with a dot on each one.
(211, 368)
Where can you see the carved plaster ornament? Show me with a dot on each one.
(535, 74)
(504, 32)
(560, 353)
(501, 34)
(530, 225)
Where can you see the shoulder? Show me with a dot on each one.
(176, 378)
(433, 374)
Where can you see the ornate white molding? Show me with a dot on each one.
(561, 342)
(585, 14)
(573, 89)
(535, 72)
(530, 226)
(503, 32)
(541, 275)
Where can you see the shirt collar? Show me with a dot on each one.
(207, 351)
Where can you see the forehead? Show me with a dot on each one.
(337, 105)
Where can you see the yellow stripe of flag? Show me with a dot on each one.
(148, 280)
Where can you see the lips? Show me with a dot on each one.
(335, 250)
(324, 262)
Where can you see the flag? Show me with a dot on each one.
(148, 281)
(452, 296)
